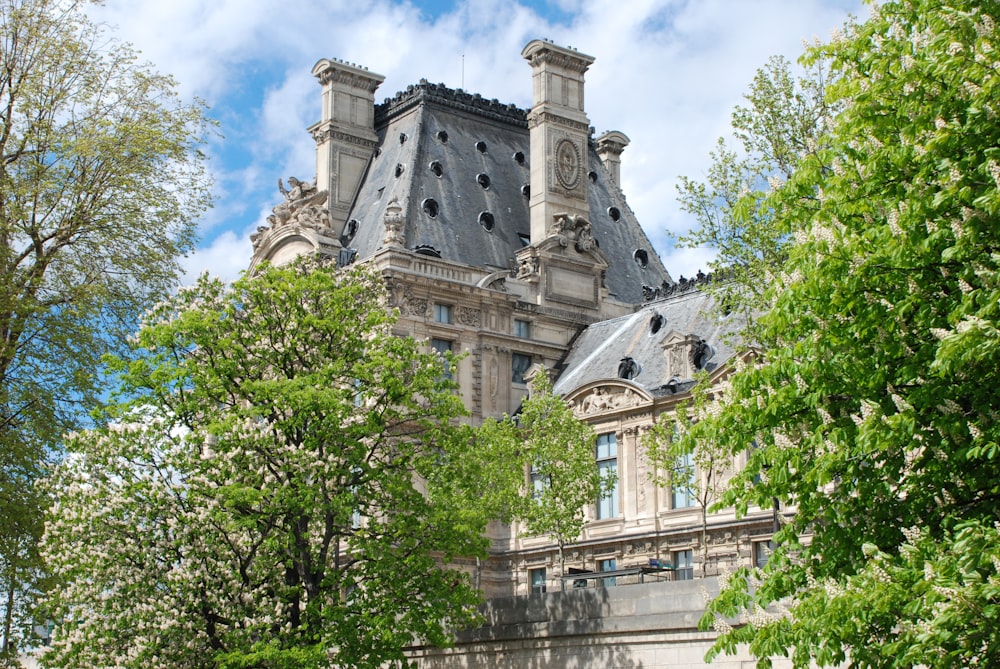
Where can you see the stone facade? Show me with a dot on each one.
(503, 236)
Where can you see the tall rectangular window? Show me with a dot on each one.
(519, 364)
(683, 565)
(682, 490)
(607, 465)
(442, 346)
(522, 329)
(762, 553)
(607, 565)
(442, 313)
(536, 577)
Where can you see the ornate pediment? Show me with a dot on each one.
(605, 398)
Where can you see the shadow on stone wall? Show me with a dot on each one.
(628, 627)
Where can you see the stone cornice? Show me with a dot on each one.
(441, 95)
(336, 71)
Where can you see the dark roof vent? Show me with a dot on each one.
(655, 323)
(351, 229)
(592, 175)
(701, 353)
(442, 135)
(614, 213)
(519, 157)
(481, 146)
(399, 169)
(402, 138)
(378, 151)
(483, 180)
(430, 207)
(427, 250)
(526, 190)
(486, 220)
(641, 258)
(628, 368)
(436, 168)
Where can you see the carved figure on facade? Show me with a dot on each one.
(394, 222)
(601, 400)
(572, 229)
(299, 198)
(527, 267)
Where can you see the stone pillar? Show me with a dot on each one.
(345, 136)
(559, 131)
(609, 147)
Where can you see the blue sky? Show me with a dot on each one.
(667, 74)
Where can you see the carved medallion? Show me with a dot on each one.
(567, 164)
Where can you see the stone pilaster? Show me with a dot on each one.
(559, 130)
(345, 135)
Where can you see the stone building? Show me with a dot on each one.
(504, 235)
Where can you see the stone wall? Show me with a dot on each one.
(647, 626)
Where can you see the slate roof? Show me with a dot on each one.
(599, 349)
(480, 148)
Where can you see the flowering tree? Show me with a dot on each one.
(101, 182)
(875, 405)
(281, 488)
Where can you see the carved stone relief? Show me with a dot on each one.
(469, 316)
(601, 400)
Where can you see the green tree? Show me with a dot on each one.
(700, 473)
(781, 124)
(875, 408)
(279, 491)
(554, 454)
(100, 184)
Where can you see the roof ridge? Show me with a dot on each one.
(473, 103)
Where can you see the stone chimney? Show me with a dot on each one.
(559, 131)
(345, 136)
(609, 147)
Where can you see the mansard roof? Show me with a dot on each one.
(638, 348)
(459, 165)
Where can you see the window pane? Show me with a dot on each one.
(607, 465)
(537, 579)
(522, 329)
(518, 366)
(607, 565)
(683, 565)
(682, 490)
(442, 313)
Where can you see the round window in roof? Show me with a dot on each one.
(592, 175)
(486, 220)
(614, 213)
(378, 151)
(526, 190)
(436, 168)
(351, 229)
(399, 169)
(481, 146)
(430, 207)
(402, 138)
(442, 135)
(519, 157)
(628, 368)
(483, 180)
(655, 323)
(641, 258)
